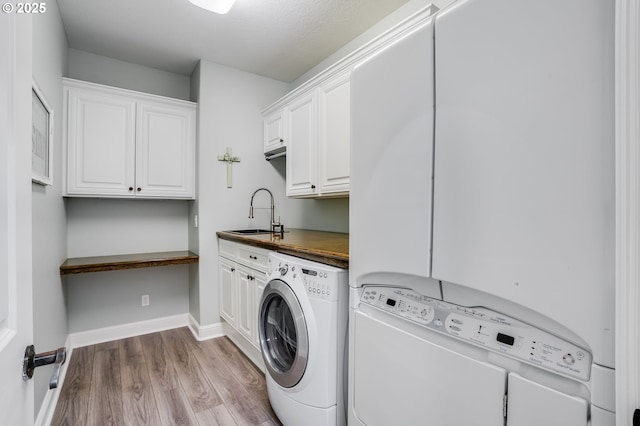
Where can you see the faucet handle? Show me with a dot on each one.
(277, 227)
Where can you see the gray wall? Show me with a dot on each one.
(49, 223)
(105, 226)
(102, 227)
(229, 108)
(112, 72)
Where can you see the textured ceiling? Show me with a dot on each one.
(280, 39)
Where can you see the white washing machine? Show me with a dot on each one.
(303, 331)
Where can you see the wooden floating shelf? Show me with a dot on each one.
(81, 265)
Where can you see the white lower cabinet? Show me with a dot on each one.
(227, 272)
(243, 276)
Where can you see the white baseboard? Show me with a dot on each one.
(107, 334)
(205, 332)
(48, 407)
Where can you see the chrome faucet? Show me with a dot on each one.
(273, 225)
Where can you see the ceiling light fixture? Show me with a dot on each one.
(217, 6)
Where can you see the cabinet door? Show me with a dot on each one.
(302, 147)
(524, 199)
(228, 290)
(274, 128)
(334, 134)
(100, 144)
(246, 304)
(392, 154)
(165, 151)
(260, 283)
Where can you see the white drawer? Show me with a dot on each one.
(253, 257)
(228, 249)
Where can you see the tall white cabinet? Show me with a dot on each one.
(126, 144)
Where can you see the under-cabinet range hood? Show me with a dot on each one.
(280, 151)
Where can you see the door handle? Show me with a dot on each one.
(32, 360)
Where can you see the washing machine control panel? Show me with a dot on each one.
(318, 283)
(483, 327)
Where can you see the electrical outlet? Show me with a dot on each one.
(145, 300)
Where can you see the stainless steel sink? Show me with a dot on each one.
(250, 231)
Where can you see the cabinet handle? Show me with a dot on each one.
(313, 187)
(249, 277)
(253, 257)
(131, 188)
(281, 140)
(233, 269)
(139, 189)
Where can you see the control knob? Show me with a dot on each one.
(284, 269)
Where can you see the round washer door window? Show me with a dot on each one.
(283, 334)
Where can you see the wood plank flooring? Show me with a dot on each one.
(165, 378)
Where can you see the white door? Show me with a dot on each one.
(245, 302)
(391, 151)
(302, 155)
(524, 191)
(101, 143)
(165, 151)
(401, 378)
(16, 327)
(334, 135)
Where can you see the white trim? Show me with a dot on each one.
(627, 125)
(107, 334)
(50, 401)
(205, 332)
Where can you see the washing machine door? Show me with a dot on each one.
(283, 334)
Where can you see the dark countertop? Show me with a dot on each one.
(81, 265)
(331, 248)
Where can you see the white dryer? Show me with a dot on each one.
(303, 331)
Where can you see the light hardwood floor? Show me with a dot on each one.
(165, 378)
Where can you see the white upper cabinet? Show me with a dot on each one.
(316, 130)
(302, 155)
(274, 132)
(313, 121)
(124, 144)
(101, 136)
(165, 151)
(334, 135)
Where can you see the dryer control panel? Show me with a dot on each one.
(483, 327)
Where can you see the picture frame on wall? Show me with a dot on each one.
(41, 138)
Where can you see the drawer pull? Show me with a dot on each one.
(233, 269)
(253, 257)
